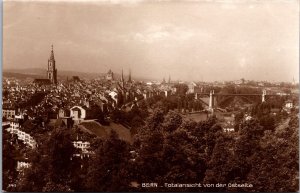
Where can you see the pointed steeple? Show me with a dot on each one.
(169, 81)
(52, 54)
(129, 77)
(122, 76)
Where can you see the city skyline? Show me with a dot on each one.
(159, 39)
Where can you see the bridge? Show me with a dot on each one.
(212, 96)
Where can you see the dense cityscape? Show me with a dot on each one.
(118, 133)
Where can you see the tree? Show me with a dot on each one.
(220, 164)
(117, 116)
(246, 145)
(96, 113)
(108, 171)
(211, 136)
(267, 122)
(150, 163)
(59, 152)
(275, 166)
(55, 153)
(172, 121)
(168, 137)
(186, 164)
(9, 162)
(154, 122)
(181, 89)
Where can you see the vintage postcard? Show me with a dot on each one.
(150, 96)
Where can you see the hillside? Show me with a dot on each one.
(104, 131)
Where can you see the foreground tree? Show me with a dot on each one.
(173, 150)
(9, 161)
(55, 153)
(276, 165)
(108, 171)
(221, 164)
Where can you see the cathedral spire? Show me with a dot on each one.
(52, 53)
(129, 77)
(122, 76)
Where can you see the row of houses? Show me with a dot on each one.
(27, 139)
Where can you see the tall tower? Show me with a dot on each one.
(52, 71)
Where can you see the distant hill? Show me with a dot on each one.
(62, 74)
(28, 71)
(20, 75)
(42, 73)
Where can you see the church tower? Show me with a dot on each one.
(52, 71)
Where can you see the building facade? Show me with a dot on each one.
(78, 114)
(23, 136)
(9, 113)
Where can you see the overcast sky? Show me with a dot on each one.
(190, 40)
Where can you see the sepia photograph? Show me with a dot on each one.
(150, 96)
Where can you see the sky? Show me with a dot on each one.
(191, 40)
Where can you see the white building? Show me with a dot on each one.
(78, 114)
(82, 145)
(191, 87)
(114, 96)
(25, 137)
(289, 104)
(22, 165)
(9, 113)
(247, 117)
(228, 129)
